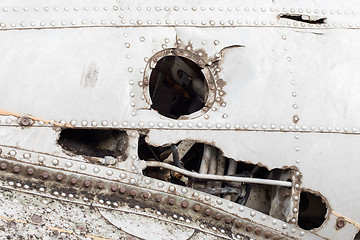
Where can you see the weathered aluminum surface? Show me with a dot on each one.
(285, 93)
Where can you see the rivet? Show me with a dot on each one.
(12, 153)
(218, 216)
(197, 207)
(172, 188)
(273, 222)
(172, 201)
(55, 162)
(238, 224)
(30, 171)
(16, 169)
(159, 199)
(284, 226)
(132, 181)
(59, 177)
(69, 164)
(207, 212)
(113, 188)
(109, 172)
(87, 183)
(122, 175)
(252, 213)
(207, 198)
(146, 195)
(241, 209)
(257, 231)
(295, 210)
(3, 166)
(249, 227)
(73, 180)
(122, 190)
(133, 193)
(267, 234)
(96, 170)
(45, 175)
(228, 220)
(340, 223)
(184, 204)
(101, 185)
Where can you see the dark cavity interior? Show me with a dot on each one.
(263, 198)
(94, 143)
(177, 87)
(312, 211)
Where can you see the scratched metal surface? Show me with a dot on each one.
(285, 94)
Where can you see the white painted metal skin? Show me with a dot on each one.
(82, 64)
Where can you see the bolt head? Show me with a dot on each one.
(207, 212)
(114, 188)
(25, 121)
(101, 185)
(184, 204)
(257, 231)
(73, 180)
(197, 207)
(249, 227)
(59, 177)
(30, 171)
(267, 234)
(133, 192)
(238, 224)
(45, 175)
(122, 190)
(340, 223)
(16, 169)
(218, 216)
(172, 201)
(146, 195)
(158, 199)
(87, 183)
(228, 220)
(3, 166)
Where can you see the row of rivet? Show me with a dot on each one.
(171, 201)
(132, 181)
(123, 190)
(296, 191)
(185, 8)
(189, 125)
(124, 23)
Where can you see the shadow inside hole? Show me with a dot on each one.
(94, 143)
(357, 236)
(177, 87)
(312, 211)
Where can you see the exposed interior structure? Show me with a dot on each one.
(94, 143)
(205, 159)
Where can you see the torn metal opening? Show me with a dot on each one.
(205, 168)
(304, 18)
(94, 143)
